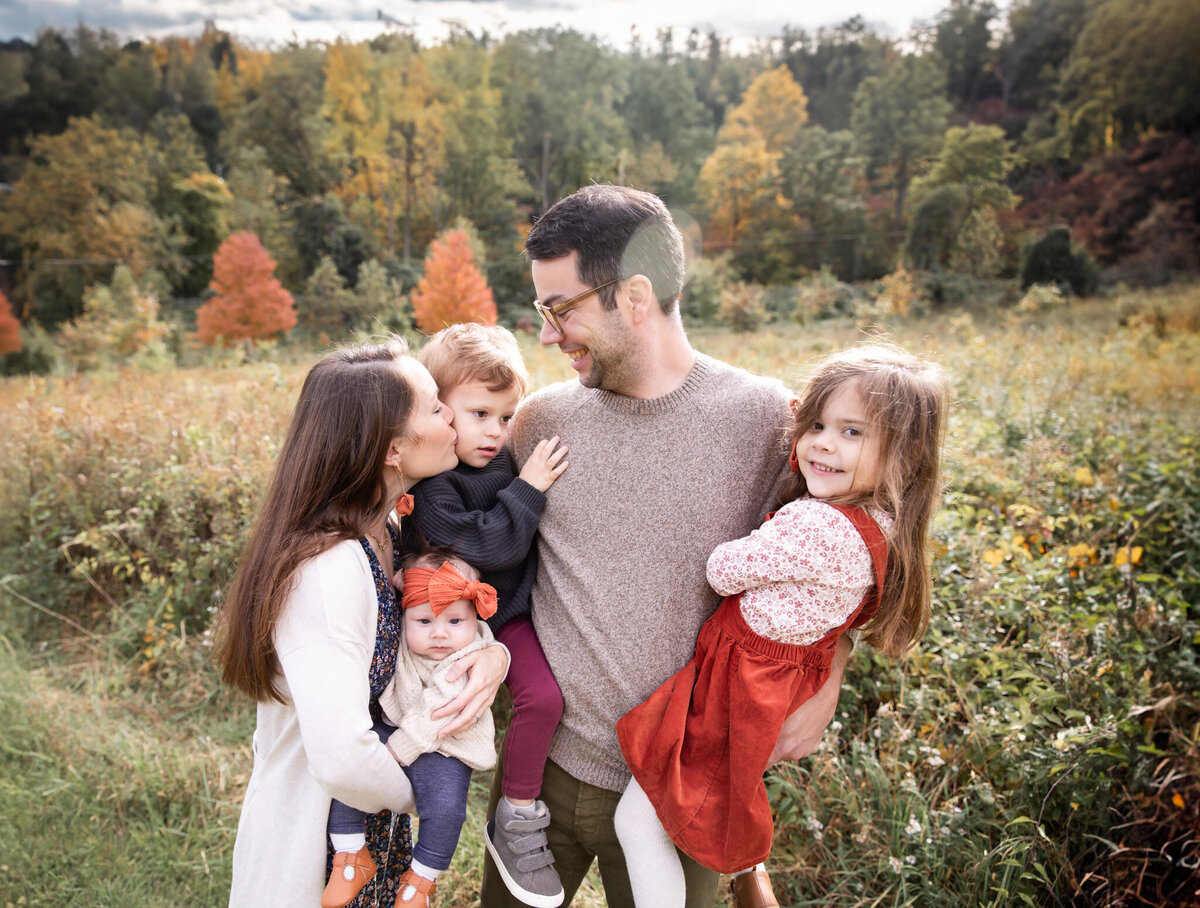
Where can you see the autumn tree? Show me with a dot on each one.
(740, 182)
(453, 289)
(774, 106)
(250, 304)
(10, 328)
(83, 195)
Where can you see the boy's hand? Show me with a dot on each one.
(545, 464)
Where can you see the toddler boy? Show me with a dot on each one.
(488, 515)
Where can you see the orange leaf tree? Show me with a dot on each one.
(10, 328)
(250, 303)
(453, 289)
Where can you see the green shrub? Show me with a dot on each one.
(1053, 259)
(742, 307)
(39, 354)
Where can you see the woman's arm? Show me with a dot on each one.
(326, 639)
(486, 670)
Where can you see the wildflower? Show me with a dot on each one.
(1083, 476)
(994, 557)
(895, 864)
(1127, 556)
(910, 859)
(1082, 553)
(816, 827)
(913, 827)
(935, 759)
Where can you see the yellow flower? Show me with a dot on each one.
(994, 557)
(1081, 552)
(1084, 477)
(1126, 555)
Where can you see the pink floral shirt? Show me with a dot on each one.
(801, 573)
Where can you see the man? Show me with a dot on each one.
(672, 453)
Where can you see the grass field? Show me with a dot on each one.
(1040, 748)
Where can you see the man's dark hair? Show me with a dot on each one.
(616, 232)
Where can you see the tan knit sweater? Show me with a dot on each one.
(653, 487)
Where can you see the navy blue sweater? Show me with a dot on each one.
(489, 518)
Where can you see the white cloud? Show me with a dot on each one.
(273, 22)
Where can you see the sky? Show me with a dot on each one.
(273, 23)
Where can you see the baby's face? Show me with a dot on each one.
(481, 418)
(437, 636)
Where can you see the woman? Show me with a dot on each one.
(311, 624)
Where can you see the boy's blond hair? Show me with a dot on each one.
(471, 352)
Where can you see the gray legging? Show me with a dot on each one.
(440, 790)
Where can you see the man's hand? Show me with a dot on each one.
(802, 731)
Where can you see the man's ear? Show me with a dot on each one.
(641, 297)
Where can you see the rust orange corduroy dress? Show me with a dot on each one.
(700, 744)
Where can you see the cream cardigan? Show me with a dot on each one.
(318, 745)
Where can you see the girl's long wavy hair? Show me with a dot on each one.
(328, 485)
(906, 401)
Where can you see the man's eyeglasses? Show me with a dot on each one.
(551, 313)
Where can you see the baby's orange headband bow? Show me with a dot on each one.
(445, 586)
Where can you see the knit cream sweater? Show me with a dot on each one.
(418, 687)
(653, 487)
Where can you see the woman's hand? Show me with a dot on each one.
(485, 670)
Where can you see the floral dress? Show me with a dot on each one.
(389, 836)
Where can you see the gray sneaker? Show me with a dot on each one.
(516, 839)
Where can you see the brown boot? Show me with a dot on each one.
(752, 889)
(350, 873)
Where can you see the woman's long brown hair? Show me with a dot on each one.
(328, 485)
(906, 400)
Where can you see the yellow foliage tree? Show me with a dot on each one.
(119, 323)
(737, 180)
(774, 106)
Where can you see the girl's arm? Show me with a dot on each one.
(802, 730)
(807, 541)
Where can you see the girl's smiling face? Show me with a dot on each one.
(837, 453)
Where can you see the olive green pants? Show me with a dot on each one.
(581, 831)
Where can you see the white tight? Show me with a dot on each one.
(655, 873)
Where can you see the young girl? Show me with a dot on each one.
(443, 599)
(846, 548)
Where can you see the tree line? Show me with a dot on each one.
(840, 148)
